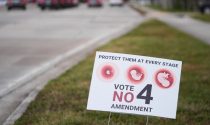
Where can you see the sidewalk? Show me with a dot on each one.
(184, 23)
(190, 26)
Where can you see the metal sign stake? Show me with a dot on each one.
(109, 117)
(147, 120)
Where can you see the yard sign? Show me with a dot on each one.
(134, 84)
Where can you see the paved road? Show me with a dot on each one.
(32, 42)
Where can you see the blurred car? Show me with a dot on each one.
(55, 4)
(16, 4)
(68, 3)
(204, 7)
(31, 1)
(43, 4)
(116, 2)
(95, 3)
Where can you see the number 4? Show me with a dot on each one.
(148, 90)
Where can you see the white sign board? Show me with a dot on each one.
(135, 84)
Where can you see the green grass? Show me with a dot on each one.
(202, 17)
(170, 9)
(63, 101)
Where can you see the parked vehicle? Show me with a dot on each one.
(16, 4)
(68, 3)
(116, 2)
(95, 3)
(204, 7)
(31, 1)
(43, 4)
(55, 4)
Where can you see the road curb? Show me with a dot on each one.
(57, 65)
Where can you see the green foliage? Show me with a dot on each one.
(63, 101)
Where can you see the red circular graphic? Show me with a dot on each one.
(135, 74)
(164, 78)
(107, 72)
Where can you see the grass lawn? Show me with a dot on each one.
(63, 101)
(160, 8)
(202, 17)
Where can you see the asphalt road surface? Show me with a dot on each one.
(34, 41)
